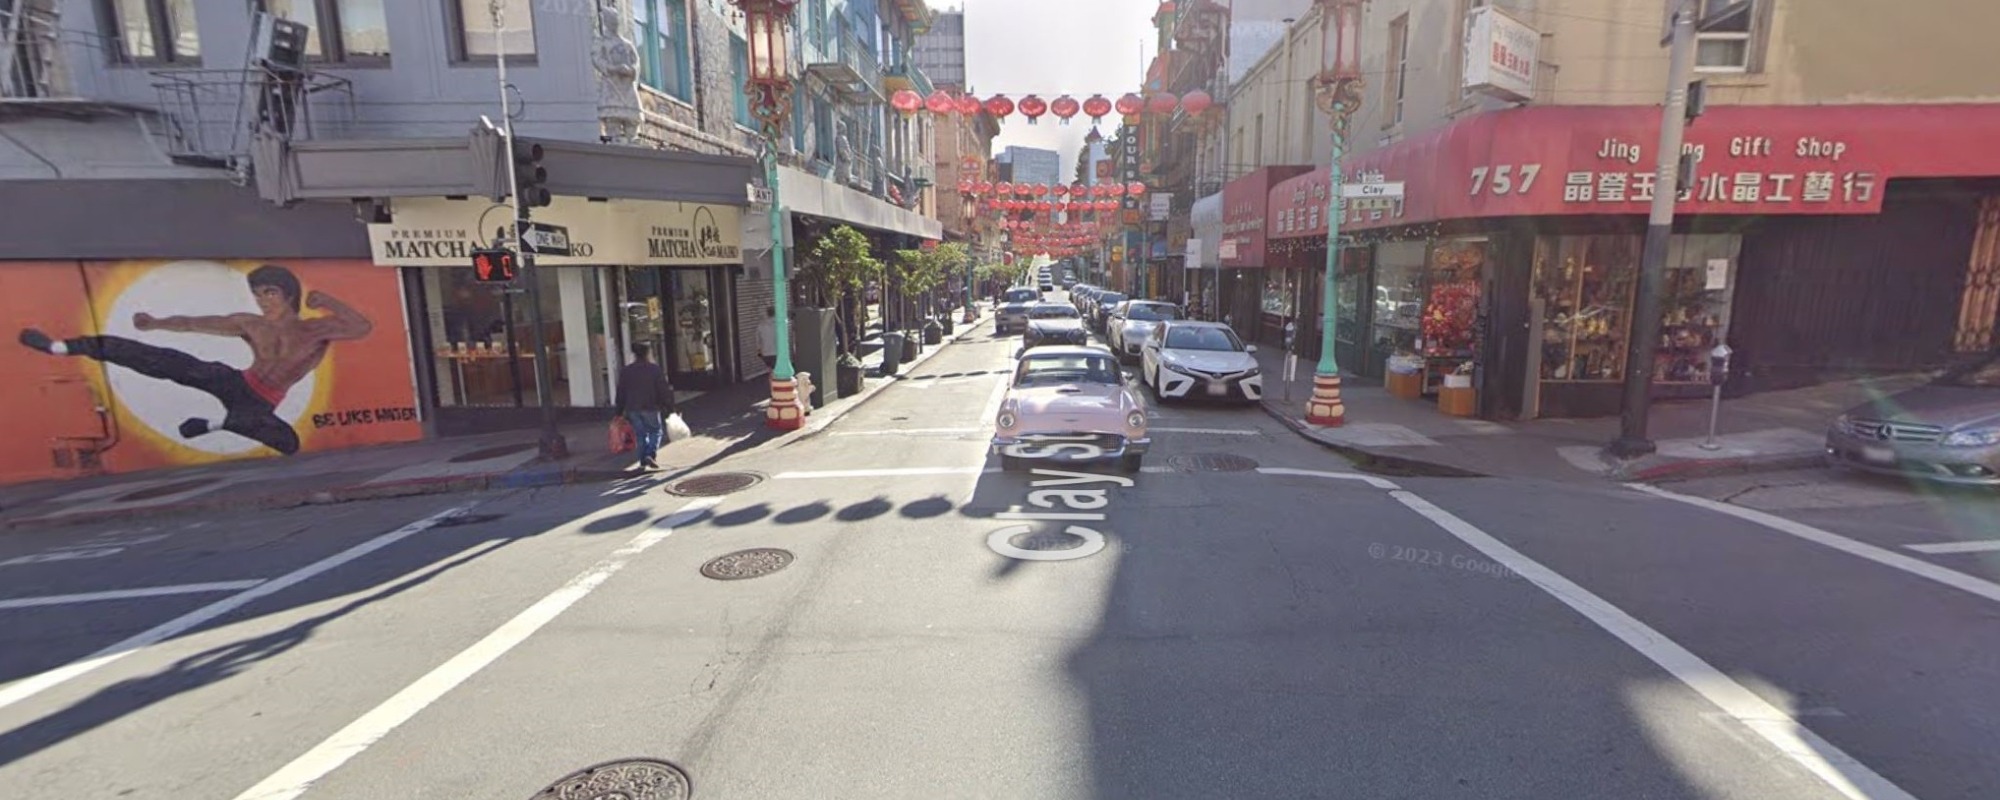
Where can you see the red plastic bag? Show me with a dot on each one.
(623, 439)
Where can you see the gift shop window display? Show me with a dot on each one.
(1451, 310)
(1584, 286)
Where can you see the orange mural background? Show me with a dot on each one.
(180, 393)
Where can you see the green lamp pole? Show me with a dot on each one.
(1338, 92)
(769, 86)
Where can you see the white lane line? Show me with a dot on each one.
(886, 472)
(298, 776)
(1838, 769)
(1379, 483)
(912, 432)
(1211, 431)
(36, 684)
(126, 594)
(1956, 547)
(1880, 555)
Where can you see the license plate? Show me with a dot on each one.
(1878, 455)
(1218, 389)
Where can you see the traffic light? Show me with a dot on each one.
(530, 177)
(493, 265)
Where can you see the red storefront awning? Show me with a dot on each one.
(1243, 215)
(1581, 160)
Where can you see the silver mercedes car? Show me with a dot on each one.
(1946, 431)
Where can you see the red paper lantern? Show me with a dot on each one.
(1162, 103)
(985, 187)
(1130, 105)
(1004, 188)
(1100, 190)
(1096, 107)
(1065, 107)
(907, 101)
(1135, 189)
(1079, 189)
(1107, 205)
(999, 106)
(1041, 190)
(966, 186)
(1023, 189)
(968, 105)
(1033, 108)
(1061, 190)
(1115, 190)
(941, 102)
(1196, 102)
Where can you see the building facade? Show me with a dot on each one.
(350, 166)
(941, 50)
(1033, 165)
(1832, 225)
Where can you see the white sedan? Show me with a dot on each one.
(1134, 322)
(1185, 358)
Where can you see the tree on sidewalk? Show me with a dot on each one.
(841, 265)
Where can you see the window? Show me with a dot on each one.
(154, 31)
(341, 30)
(660, 29)
(476, 34)
(739, 65)
(1399, 68)
(1727, 47)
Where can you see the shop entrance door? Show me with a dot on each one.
(698, 326)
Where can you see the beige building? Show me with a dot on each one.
(1841, 214)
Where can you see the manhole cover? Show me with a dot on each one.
(1048, 541)
(492, 452)
(468, 519)
(628, 779)
(747, 564)
(166, 490)
(720, 483)
(1211, 462)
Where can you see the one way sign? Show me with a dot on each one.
(544, 239)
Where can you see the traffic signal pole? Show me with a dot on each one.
(553, 447)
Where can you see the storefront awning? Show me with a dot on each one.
(805, 193)
(1244, 203)
(1590, 160)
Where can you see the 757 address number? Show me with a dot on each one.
(1505, 179)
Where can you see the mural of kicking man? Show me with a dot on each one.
(285, 348)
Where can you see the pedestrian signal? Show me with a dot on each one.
(493, 265)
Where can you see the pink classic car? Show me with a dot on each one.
(1070, 405)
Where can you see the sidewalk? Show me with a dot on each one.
(725, 421)
(1765, 431)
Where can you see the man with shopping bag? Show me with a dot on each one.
(645, 399)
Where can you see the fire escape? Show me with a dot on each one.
(215, 116)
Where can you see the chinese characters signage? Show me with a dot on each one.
(1500, 54)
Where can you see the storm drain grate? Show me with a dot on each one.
(492, 452)
(166, 490)
(1211, 462)
(625, 779)
(467, 519)
(745, 564)
(715, 485)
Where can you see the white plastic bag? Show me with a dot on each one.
(677, 428)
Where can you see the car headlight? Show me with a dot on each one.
(1254, 372)
(1136, 420)
(1843, 424)
(1007, 420)
(1973, 438)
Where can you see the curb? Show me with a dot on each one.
(817, 425)
(1704, 468)
(1367, 460)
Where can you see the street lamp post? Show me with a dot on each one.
(769, 86)
(1337, 89)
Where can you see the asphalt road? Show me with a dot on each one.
(1267, 625)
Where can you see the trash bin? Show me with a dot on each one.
(933, 332)
(892, 352)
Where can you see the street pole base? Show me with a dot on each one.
(1324, 408)
(553, 446)
(785, 413)
(1623, 447)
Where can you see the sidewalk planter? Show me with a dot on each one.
(850, 377)
(933, 332)
(945, 320)
(1458, 398)
(913, 344)
(892, 352)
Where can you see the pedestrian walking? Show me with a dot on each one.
(767, 338)
(645, 398)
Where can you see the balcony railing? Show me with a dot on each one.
(907, 76)
(31, 62)
(849, 66)
(213, 114)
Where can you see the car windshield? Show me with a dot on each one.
(1022, 295)
(1203, 338)
(1151, 312)
(1054, 370)
(1109, 299)
(1981, 375)
(1052, 312)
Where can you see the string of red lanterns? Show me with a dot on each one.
(975, 188)
(1096, 107)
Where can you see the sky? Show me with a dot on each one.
(1052, 48)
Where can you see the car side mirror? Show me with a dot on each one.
(1249, 348)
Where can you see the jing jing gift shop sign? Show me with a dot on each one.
(438, 232)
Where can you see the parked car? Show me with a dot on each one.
(1080, 297)
(1135, 321)
(1079, 395)
(1946, 431)
(1184, 358)
(1013, 312)
(1046, 281)
(1100, 308)
(1053, 323)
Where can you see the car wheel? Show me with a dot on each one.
(1131, 463)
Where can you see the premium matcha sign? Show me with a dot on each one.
(691, 233)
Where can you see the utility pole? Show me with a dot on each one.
(1644, 342)
(553, 447)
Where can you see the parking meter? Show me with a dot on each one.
(1718, 371)
(1718, 364)
(1291, 334)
